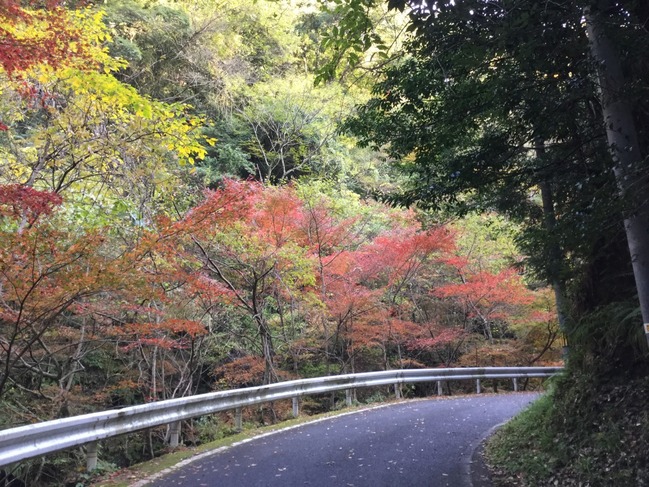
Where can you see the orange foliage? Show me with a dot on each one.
(364, 288)
(246, 371)
(444, 337)
(487, 295)
(45, 272)
(233, 202)
(323, 234)
(168, 334)
(278, 216)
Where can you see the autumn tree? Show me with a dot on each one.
(75, 128)
(48, 274)
(92, 134)
(253, 254)
(162, 322)
(332, 226)
(372, 292)
(406, 261)
(50, 35)
(486, 297)
(353, 309)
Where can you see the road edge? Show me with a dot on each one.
(479, 473)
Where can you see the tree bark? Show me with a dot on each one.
(270, 375)
(625, 150)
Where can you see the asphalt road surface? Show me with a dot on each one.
(416, 443)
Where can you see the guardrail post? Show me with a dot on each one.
(174, 434)
(238, 421)
(397, 391)
(515, 384)
(439, 388)
(91, 456)
(348, 397)
(296, 407)
(477, 386)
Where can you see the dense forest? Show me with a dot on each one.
(538, 111)
(198, 196)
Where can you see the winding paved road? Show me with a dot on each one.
(415, 443)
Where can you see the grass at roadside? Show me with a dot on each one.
(519, 449)
(584, 432)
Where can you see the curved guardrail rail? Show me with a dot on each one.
(39, 439)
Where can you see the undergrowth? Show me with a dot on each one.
(586, 431)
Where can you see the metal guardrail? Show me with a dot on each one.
(39, 439)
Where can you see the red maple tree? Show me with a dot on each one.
(485, 296)
(52, 47)
(47, 274)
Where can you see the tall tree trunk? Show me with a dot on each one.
(625, 149)
(556, 254)
(267, 351)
